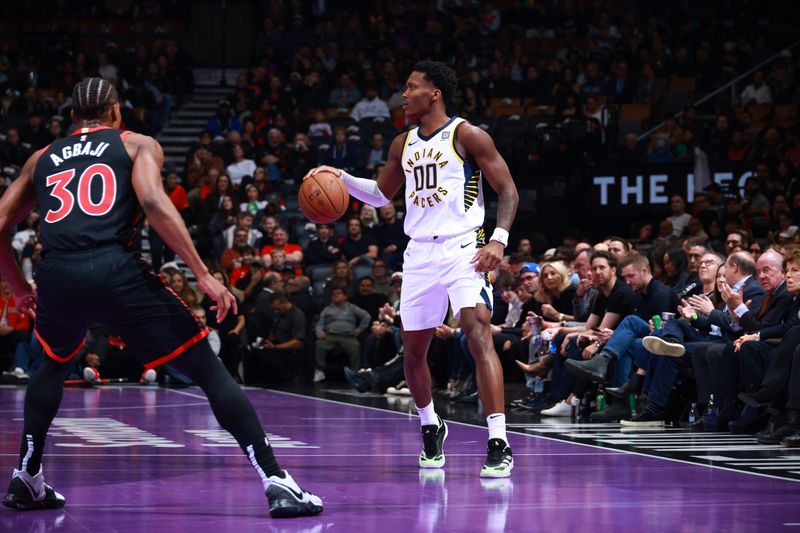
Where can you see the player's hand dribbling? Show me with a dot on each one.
(488, 258)
(324, 168)
(216, 291)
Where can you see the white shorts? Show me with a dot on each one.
(435, 271)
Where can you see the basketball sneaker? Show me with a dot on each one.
(433, 437)
(28, 492)
(91, 374)
(149, 376)
(287, 499)
(499, 460)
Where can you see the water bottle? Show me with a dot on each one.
(711, 413)
(536, 325)
(573, 414)
(601, 399)
(544, 344)
(693, 414)
(585, 409)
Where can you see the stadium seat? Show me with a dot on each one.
(361, 270)
(318, 273)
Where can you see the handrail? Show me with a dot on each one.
(723, 88)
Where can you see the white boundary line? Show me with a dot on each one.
(682, 461)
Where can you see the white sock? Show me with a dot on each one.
(427, 416)
(497, 426)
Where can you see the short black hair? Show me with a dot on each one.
(608, 256)
(440, 75)
(92, 98)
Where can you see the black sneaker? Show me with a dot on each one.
(27, 493)
(646, 418)
(499, 459)
(288, 500)
(433, 436)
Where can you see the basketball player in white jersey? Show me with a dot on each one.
(442, 162)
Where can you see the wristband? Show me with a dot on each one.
(500, 235)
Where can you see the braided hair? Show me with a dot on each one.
(92, 98)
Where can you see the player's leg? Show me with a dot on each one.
(140, 307)
(475, 323)
(418, 378)
(235, 413)
(28, 490)
(423, 307)
(42, 398)
(61, 323)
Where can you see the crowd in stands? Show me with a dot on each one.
(325, 89)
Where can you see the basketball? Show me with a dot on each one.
(323, 197)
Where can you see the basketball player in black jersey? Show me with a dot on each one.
(91, 188)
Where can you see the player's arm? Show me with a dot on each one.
(480, 146)
(378, 192)
(148, 157)
(15, 205)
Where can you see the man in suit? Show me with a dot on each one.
(716, 365)
(703, 323)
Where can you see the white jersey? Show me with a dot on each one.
(444, 193)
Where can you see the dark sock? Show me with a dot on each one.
(654, 409)
(671, 339)
(637, 380)
(42, 399)
(233, 410)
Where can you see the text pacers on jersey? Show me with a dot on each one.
(426, 178)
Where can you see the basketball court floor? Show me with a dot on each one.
(134, 459)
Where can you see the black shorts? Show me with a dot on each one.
(115, 287)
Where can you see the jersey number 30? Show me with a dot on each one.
(60, 180)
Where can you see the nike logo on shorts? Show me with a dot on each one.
(468, 244)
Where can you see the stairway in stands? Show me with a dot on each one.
(187, 123)
(185, 127)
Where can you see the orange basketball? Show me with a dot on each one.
(323, 197)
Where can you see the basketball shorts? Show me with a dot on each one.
(435, 272)
(109, 285)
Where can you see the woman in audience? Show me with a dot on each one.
(341, 278)
(180, 286)
(556, 292)
(676, 268)
(223, 218)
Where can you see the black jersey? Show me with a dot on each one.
(86, 198)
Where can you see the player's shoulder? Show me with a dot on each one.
(137, 142)
(137, 139)
(465, 127)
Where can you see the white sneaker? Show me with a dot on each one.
(287, 499)
(562, 408)
(91, 374)
(20, 373)
(319, 375)
(659, 346)
(149, 376)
